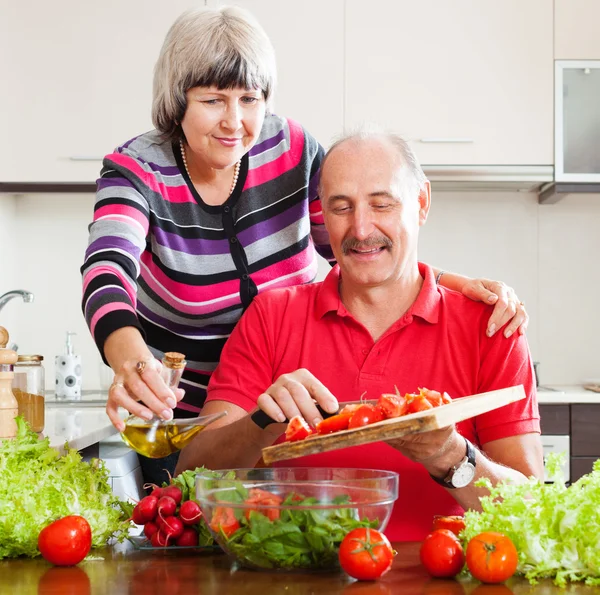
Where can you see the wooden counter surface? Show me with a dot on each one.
(124, 570)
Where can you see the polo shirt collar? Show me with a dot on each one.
(426, 306)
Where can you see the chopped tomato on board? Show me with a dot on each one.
(392, 405)
(419, 403)
(433, 396)
(297, 429)
(365, 415)
(335, 423)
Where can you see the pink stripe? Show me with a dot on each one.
(100, 270)
(176, 194)
(185, 407)
(107, 310)
(188, 293)
(287, 267)
(285, 162)
(118, 211)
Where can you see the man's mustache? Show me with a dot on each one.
(371, 242)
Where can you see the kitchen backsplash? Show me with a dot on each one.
(549, 253)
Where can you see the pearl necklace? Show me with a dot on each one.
(236, 171)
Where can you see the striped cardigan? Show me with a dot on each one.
(181, 271)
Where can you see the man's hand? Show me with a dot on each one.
(295, 394)
(507, 306)
(437, 450)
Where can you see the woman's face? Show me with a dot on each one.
(221, 125)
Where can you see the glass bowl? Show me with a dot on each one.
(293, 518)
(158, 438)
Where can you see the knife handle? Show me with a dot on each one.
(262, 420)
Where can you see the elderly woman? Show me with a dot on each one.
(195, 218)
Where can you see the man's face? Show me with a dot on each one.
(372, 220)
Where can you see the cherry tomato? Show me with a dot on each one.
(224, 521)
(453, 523)
(366, 554)
(392, 405)
(492, 557)
(297, 429)
(419, 403)
(441, 554)
(263, 498)
(66, 542)
(366, 414)
(335, 423)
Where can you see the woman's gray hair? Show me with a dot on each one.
(223, 47)
(413, 178)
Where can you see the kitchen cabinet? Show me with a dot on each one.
(576, 30)
(580, 421)
(308, 38)
(468, 82)
(77, 82)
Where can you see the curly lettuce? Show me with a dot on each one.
(39, 486)
(555, 528)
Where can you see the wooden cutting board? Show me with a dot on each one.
(423, 421)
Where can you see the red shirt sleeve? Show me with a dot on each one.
(245, 369)
(506, 362)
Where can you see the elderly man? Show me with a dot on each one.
(378, 320)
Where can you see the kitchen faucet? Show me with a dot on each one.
(9, 295)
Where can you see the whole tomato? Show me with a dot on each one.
(453, 523)
(492, 557)
(441, 554)
(366, 554)
(66, 542)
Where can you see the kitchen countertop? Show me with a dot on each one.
(566, 394)
(127, 571)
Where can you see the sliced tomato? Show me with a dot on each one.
(224, 521)
(350, 409)
(419, 403)
(335, 423)
(297, 429)
(433, 396)
(366, 414)
(260, 497)
(392, 405)
(446, 399)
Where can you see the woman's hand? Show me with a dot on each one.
(142, 391)
(508, 307)
(295, 394)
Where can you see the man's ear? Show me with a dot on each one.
(424, 203)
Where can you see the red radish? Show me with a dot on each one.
(190, 512)
(172, 528)
(150, 529)
(148, 508)
(159, 540)
(158, 492)
(188, 538)
(136, 516)
(173, 492)
(166, 507)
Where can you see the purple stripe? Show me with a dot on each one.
(110, 242)
(125, 145)
(104, 292)
(113, 182)
(166, 170)
(270, 226)
(267, 144)
(193, 246)
(184, 329)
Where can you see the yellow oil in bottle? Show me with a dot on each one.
(155, 439)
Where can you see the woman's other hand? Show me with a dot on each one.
(295, 394)
(507, 306)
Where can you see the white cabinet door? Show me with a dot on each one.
(77, 82)
(308, 38)
(576, 35)
(468, 81)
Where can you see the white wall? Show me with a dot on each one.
(8, 255)
(550, 254)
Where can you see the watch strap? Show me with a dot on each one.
(446, 481)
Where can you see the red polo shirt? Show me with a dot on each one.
(440, 343)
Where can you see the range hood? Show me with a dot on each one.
(487, 178)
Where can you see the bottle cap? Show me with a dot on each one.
(174, 360)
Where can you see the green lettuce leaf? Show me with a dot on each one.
(39, 486)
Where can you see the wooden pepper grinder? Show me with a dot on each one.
(9, 407)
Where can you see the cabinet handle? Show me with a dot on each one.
(442, 139)
(85, 158)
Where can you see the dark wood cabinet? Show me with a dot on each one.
(555, 420)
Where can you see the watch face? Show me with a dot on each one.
(463, 476)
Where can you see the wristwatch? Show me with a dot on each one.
(460, 475)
